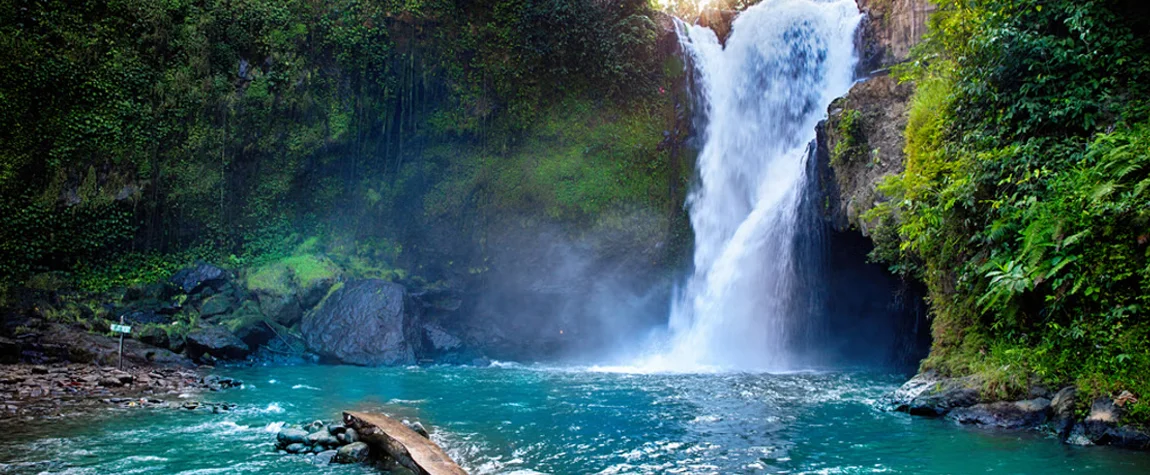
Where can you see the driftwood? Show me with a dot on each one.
(407, 447)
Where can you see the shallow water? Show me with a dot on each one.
(513, 419)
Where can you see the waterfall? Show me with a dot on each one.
(760, 97)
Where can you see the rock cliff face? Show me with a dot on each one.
(862, 140)
(890, 29)
(859, 145)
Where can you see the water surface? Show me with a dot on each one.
(515, 419)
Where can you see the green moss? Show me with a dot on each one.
(308, 269)
(242, 321)
(579, 160)
(284, 275)
(366, 268)
(274, 278)
(1022, 206)
(852, 143)
(335, 288)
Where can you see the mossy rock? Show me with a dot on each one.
(313, 275)
(217, 304)
(271, 278)
(289, 286)
(248, 324)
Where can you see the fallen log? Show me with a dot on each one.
(407, 447)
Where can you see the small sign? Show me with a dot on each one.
(121, 328)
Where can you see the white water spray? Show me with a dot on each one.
(763, 95)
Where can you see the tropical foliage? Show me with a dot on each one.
(144, 128)
(1024, 204)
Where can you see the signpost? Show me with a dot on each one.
(121, 329)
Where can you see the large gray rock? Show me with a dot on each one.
(322, 438)
(929, 394)
(193, 278)
(324, 458)
(355, 452)
(1104, 416)
(1003, 414)
(282, 308)
(366, 323)
(217, 304)
(1103, 427)
(217, 342)
(1062, 409)
(287, 437)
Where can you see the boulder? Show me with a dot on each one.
(249, 325)
(290, 286)
(941, 402)
(322, 438)
(1125, 437)
(110, 382)
(313, 290)
(916, 386)
(154, 336)
(324, 458)
(296, 448)
(348, 436)
(280, 307)
(1003, 414)
(287, 437)
(364, 322)
(1062, 410)
(1103, 417)
(191, 279)
(1102, 427)
(217, 304)
(355, 452)
(217, 342)
(177, 342)
(929, 394)
(157, 291)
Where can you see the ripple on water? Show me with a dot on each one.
(532, 420)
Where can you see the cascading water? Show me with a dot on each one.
(762, 96)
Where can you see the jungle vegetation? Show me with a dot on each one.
(139, 135)
(1025, 203)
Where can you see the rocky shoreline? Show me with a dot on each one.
(208, 315)
(1061, 413)
(37, 391)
